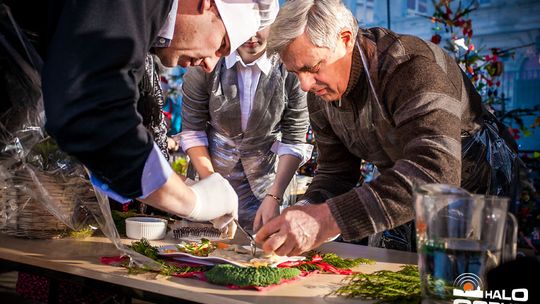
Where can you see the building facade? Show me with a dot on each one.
(501, 24)
(496, 23)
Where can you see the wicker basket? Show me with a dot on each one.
(25, 216)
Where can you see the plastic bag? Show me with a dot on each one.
(33, 170)
(489, 164)
(34, 173)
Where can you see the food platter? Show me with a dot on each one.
(234, 254)
(172, 251)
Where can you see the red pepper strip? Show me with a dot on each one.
(316, 258)
(317, 261)
(113, 260)
(329, 268)
(193, 274)
(290, 264)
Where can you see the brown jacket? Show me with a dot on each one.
(411, 131)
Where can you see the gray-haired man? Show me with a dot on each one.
(393, 100)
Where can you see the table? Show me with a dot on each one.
(79, 260)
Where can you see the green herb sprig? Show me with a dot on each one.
(401, 286)
(169, 270)
(344, 263)
(83, 233)
(307, 267)
(143, 247)
(339, 262)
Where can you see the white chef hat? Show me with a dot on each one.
(243, 18)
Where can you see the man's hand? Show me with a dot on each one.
(297, 230)
(216, 201)
(268, 209)
(172, 145)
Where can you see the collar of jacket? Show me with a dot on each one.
(356, 72)
(263, 63)
(356, 68)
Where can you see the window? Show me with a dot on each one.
(365, 11)
(417, 6)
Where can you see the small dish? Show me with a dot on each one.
(150, 228)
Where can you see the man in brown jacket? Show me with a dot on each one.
(394, 100)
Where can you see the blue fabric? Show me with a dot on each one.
(156, 172)
(173, 102)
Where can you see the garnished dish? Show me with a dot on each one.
(233, 265)
(201, 249)
(208, 252)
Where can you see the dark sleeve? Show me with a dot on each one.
(95, 60)
(295, 121)
(338, 171)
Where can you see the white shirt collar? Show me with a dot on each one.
(263, 62)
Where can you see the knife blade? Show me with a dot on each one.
(251, 239)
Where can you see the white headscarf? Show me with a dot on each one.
(243, 18)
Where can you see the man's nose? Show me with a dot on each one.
(306, 81)
(209, 63)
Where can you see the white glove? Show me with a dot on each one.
(216, 201)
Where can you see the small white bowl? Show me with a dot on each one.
(150, 228)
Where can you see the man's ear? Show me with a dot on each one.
(204, 5)
(347, 37)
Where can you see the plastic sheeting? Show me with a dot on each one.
(31, 166)
(489, 164)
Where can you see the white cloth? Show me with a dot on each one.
(301, 151)
(189, 138)
(242, 19)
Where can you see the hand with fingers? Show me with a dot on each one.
(268, 209)
(297, 230)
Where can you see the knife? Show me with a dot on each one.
(252, 243)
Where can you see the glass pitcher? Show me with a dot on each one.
(460, 235)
